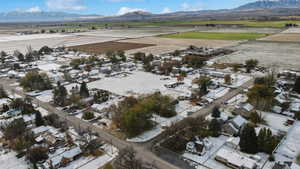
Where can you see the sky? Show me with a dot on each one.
(117, 7)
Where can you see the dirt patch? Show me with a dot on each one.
(165, 45)
(283, 37)
(100, 48)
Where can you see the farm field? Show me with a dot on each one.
(249, 23)
(283, 37)
(216, 35)
(270, 54)
(9, 42)
(165, 45)
(101, 48)
(239, 30)
(22, 44)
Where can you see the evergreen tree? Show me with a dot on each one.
(204, 83)
(266, 141)
(215, 128)
(39, 121)
(216, 112)
(5, 108)
(84, 91)
(248, 140)
(297, 85)
(251, 64)
(60, 94)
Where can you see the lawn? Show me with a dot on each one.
(216, 36)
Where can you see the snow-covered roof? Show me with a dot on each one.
(28, 118)
(239, 121)
(40, 129)
(248, 107)
(277, 109)
(72, 153)
(294, 166)
(4, 101)
(235, 158)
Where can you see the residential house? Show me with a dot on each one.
(233, 126)
(244, 109)
(235, 160)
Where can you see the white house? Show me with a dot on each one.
(235, 160)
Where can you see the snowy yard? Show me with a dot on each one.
(10, 161)
(276, 121)
(290, 147)
(136, 83)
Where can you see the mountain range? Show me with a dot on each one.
(258, 9)
(270, 4)
(24, 16)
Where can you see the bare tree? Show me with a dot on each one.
(127, 159)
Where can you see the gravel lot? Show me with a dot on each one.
(281, 55)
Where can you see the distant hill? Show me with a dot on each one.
(23, 16)
(226, 14)
(270, 4)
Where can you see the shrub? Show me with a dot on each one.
(88, 115)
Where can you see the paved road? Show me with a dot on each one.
(143, 152)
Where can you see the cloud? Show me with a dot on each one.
(125, 10)
(188, 7)
(65, 4)
(35, 9)
(166, 10)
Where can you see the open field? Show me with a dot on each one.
(165, 45)
(100, 48)
(292, 30)
(283, 37)
(249, 23)
(280, 55)
(10, 43)
(21, 45)
(216, 35)
(136, 32)
(239, 30)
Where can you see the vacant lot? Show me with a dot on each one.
(279, 55)
(283, 37)
(216, 35)
(165, 45)
(100, 48)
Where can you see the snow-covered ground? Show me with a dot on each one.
(10, 161)
(45, 96)
(30, 37)
(48, 66)
(290, 147)
(276, 121)
(136, 83)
